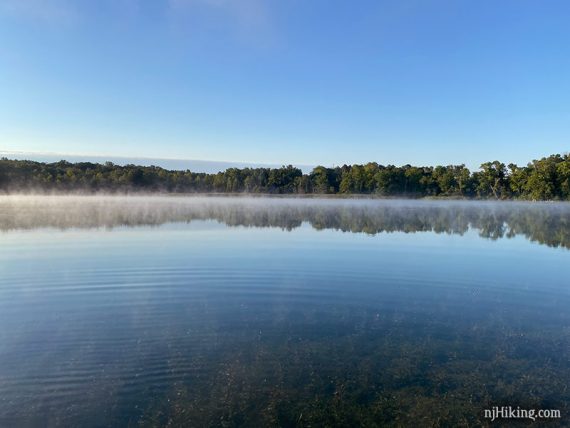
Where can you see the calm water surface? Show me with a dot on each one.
(138, 311)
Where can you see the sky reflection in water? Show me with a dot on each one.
(233, 311)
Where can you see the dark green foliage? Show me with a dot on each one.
(544, 179)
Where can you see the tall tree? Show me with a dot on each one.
(492, 179)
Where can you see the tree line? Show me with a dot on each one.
(544, 179)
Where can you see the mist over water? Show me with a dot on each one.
(206, 311)
(546, 223)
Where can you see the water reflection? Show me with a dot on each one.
(545, 223)
(207, 324)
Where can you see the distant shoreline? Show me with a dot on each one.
(547, 179)
(313, 196)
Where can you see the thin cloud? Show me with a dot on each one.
(243, 17)
(59, 11)
(246, 15)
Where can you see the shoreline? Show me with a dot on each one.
(313, 196)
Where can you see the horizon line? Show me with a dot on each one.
(58, 156)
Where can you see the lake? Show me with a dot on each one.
(211, 311)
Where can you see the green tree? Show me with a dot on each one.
(543, 182)
(492, 179)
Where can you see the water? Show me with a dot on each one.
(252, 312)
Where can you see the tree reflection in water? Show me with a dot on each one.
(545, 223)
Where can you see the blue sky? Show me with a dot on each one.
(297, 81)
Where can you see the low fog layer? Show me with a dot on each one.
(547, 223)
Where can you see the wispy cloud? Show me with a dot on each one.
(59, 11)
(247, 16)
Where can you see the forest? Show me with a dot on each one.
(544, 179)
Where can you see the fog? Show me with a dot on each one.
(546, 223)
